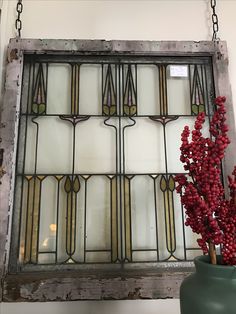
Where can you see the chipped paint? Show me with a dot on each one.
(117, 287)
(160, 282)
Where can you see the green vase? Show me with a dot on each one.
(210, 290)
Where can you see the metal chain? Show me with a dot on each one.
(215, 23)
(18, 23)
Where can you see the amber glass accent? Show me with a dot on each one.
(127, 215)
(75, 76)
(32, 218)
(163, 90)
(76, 184)
(114, 228)
(167, 186)
(72, 187)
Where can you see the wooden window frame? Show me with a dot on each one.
(91, 284)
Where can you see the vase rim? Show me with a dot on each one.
(204, 267)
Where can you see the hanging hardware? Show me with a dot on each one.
(18, 23)
(215, 23)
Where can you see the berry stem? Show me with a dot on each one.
(212, 253)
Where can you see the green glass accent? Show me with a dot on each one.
(106, 110)
(35, 108)
(171, 184)
(126, 110)
(68, 185)
(198, 108)
(109, 111)
(201, 108)
(195, 109)
(76, 185)
(130, 110)
(38, 108)
(163, 184)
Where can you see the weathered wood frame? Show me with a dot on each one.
(152, 283)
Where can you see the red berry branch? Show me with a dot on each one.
(208, 212)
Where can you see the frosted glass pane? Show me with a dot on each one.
(54, 145)
(98, 213)
(144, 147)
(191, 238)
(143, 213)
(80, 201)
(191, 254)
(46, 258)
(59, 88)
(173, 141)
(90, 89)
(47, 229)
(95, 147)
(178, 94)
(144, 256)
(179, 227)
(30, 146)
(96, 257)
(148, 90)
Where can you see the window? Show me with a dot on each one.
(97, 151)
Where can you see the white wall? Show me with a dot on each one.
(93, 307)
(122, 19)
(143, 20)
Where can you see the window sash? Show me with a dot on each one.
(122, 75)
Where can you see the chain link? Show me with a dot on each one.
(18, 23)
(215, 22)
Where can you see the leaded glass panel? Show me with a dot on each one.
(99, 150)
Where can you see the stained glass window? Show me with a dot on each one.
(98, 151)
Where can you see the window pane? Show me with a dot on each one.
(90, 93)
(148, 90)
(58, 89)
(144, 147)
(143, 218)
(49, 145)
(48, 211)
(98, 152)
(98, 219)
(178, 93)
